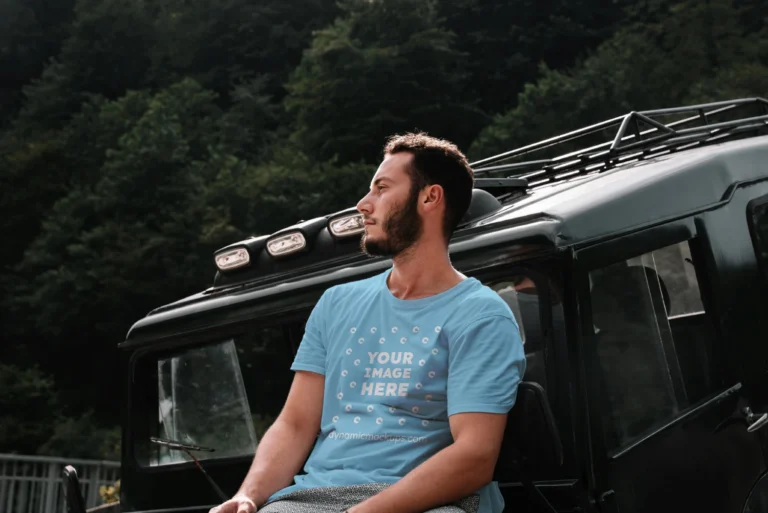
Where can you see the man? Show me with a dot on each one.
(403, 380)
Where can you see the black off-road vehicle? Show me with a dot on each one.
(637, 269)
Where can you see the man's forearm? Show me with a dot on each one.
(452, 474)
(279, 457)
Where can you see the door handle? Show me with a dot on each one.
(754, 420)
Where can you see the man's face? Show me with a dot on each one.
(392, 221)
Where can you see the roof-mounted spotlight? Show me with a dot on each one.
(294, 239)
(286, 244)
(239, 255)
(346, 223)
(232, 259)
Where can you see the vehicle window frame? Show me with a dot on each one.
(548, 276)
(543, 284)
(621, 249)
(760, 247)
(140, 407)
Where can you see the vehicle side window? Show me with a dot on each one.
(758, 227)
(523, 298)
(654, 341)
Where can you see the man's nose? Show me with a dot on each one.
(364, 205)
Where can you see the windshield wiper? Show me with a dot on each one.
(179, 446)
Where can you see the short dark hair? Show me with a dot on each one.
(438, 162)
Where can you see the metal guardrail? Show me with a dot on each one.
(33, 484)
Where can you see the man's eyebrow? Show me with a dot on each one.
(382, 179)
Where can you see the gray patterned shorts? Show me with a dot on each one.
(336, 499)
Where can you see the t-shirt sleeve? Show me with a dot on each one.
(312, 350)
(485, 365)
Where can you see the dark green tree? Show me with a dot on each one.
(31, 33)
(224, 44)
(130, 240)
(698, 52)
(29, 403)
(106, 53)
(507, 41)
(383, 67)
(82, 436)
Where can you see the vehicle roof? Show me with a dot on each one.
(577, 209)
(596, 206)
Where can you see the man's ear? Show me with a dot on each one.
(433, 196)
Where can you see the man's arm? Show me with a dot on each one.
(486, 362)
(287, 443)
(452, 474)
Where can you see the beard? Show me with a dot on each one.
(402, 229)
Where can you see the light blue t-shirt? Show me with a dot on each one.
(395, 370)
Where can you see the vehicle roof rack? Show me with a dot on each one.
(718, 121)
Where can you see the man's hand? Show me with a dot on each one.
(284, 447)
(240, 503)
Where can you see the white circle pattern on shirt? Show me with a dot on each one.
(418, 386)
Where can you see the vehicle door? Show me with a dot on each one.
(666, 391)
(738, 238)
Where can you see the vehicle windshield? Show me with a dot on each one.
(222, 395)
(202, 401)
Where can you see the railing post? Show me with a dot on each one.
(12, 487)
(4, 482)
(24, 487)
(93, 482)
(51, 488)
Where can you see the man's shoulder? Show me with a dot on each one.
(482, 299)
(481, 302)
(353, 288)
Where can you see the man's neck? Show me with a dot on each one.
(422, 271)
